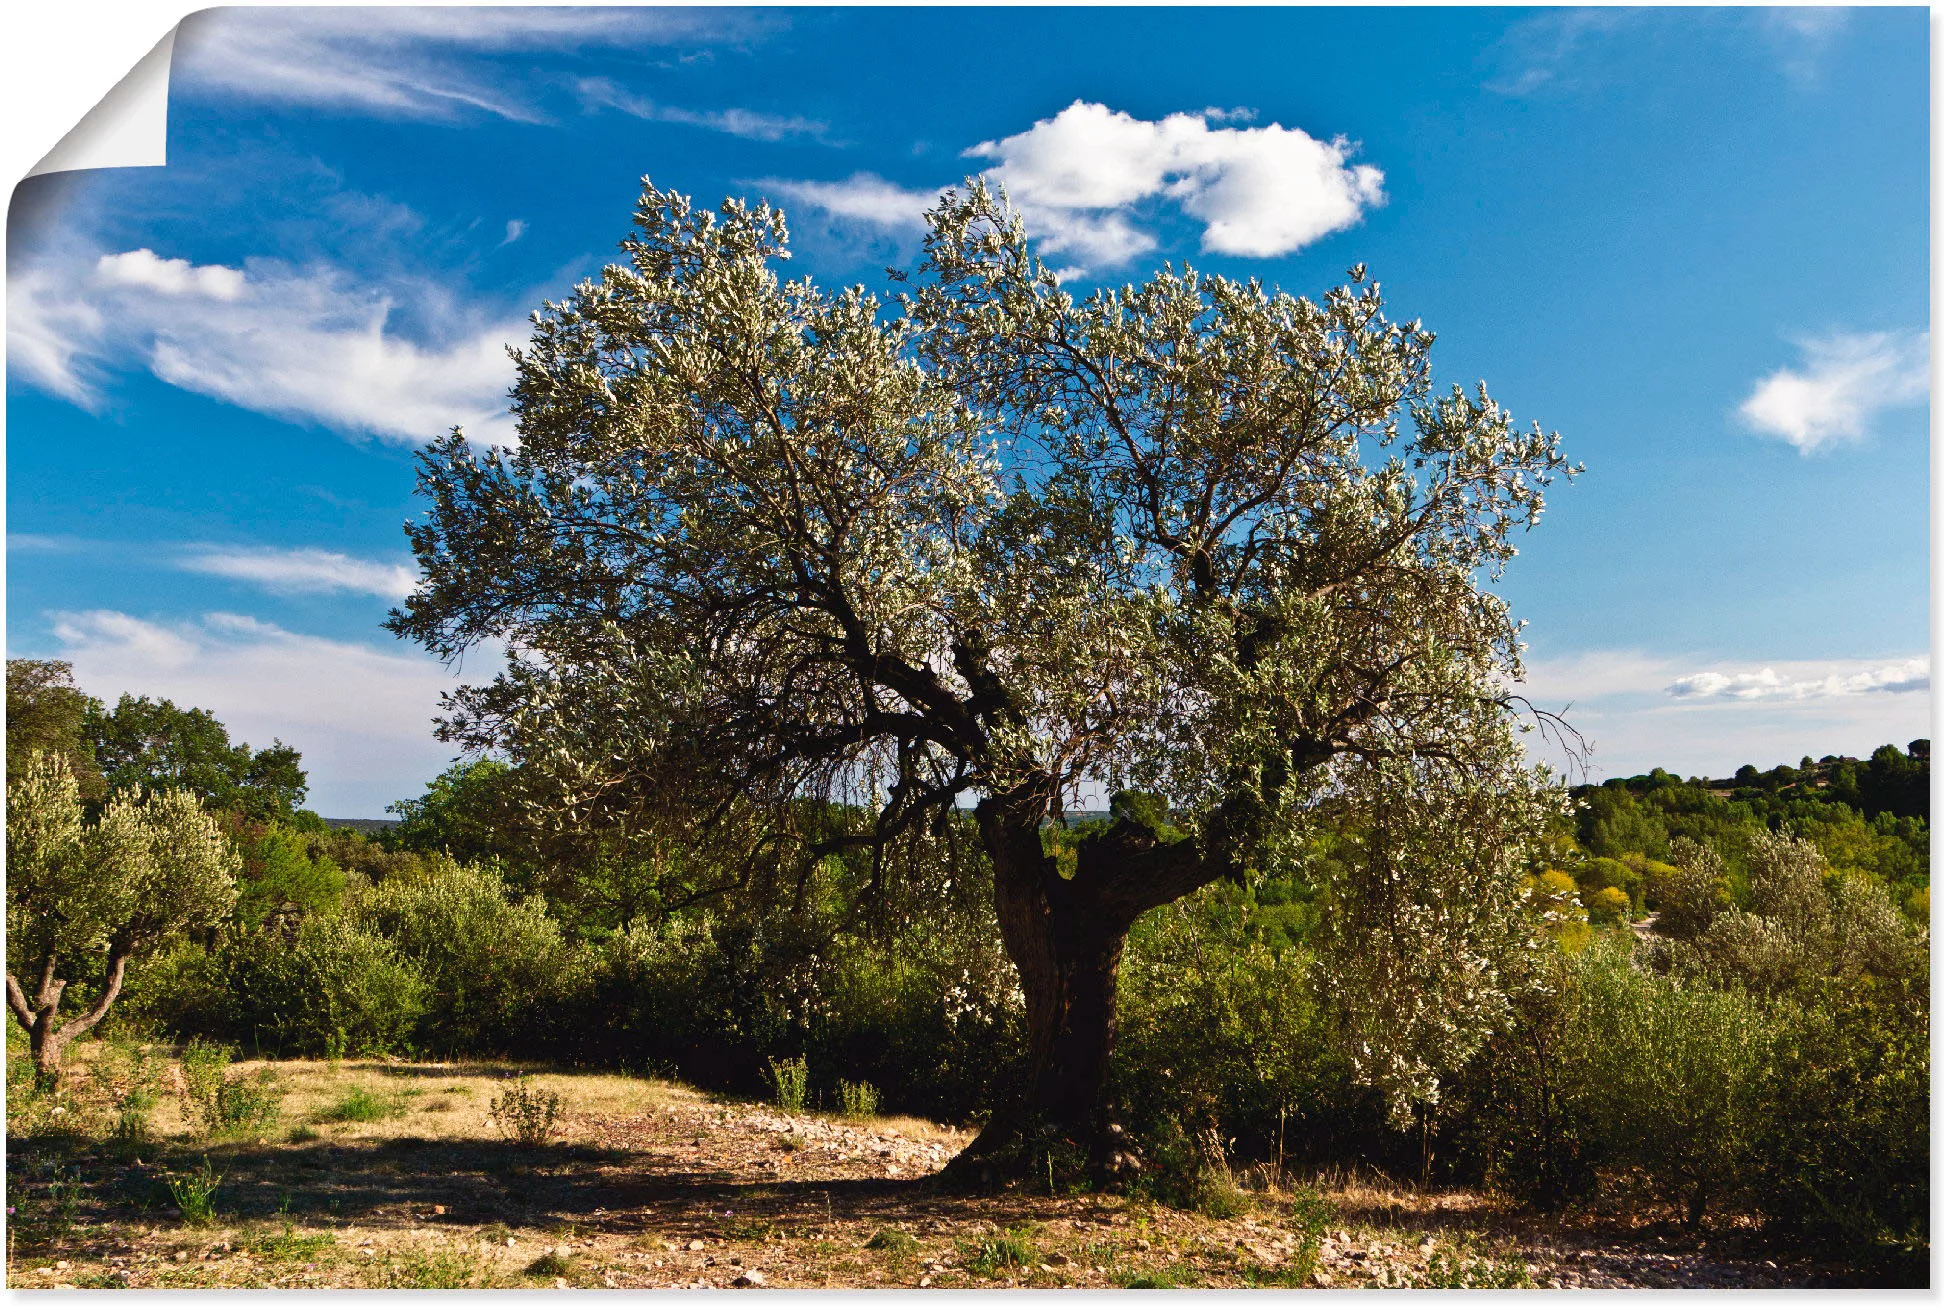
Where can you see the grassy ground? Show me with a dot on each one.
(398, 1175)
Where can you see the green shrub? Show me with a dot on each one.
(1843, 1153)
(858, 1099)
(499, 974)
(790, 1080)
(223, 1102)
(328, 986)
(524, 1113)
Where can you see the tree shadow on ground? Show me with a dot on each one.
(409, 1182)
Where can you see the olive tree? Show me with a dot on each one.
(1215, 547)
(83, 900)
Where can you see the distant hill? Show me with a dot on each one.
(367, 827)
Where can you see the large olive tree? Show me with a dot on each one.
(83, 900)
(1214, 546)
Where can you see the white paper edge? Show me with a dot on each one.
(127, 128)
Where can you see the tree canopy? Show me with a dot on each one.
(1193, 539)
(149, 743)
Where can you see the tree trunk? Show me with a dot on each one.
(47, 1040)
(1065, 936)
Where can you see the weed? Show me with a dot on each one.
(363, 1104)
(790, 1081)
(220, 1102)
(1174, 1276)
(303, 1134)
(287, 1245)
(894, 1243)
(1462, 1270)
(524, 1113)
(438, 1105)
(434, 1270)
(1002, 1252)
(858, 1099)
(195, 1193)
(790, 1143)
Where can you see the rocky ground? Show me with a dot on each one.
(647, 1184)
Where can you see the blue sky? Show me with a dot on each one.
(1692, 241)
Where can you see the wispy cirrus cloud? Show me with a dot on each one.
(1844, 381)
(310, 344)
(1571, 49)
(866, 197)
(752, 125)
(420, 62)
(360, 714)
(303, 569)
(1085, 179)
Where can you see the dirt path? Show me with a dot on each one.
(655, 1185)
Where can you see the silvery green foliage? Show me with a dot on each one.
(148, 868)
(1425, 925)
(1804, 925)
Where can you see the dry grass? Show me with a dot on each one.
(653, 1184)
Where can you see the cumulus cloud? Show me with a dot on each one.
(864, 196)
(1640, 709)
(421, 62)
(360, 714)
(753, 125)
(1846, 379)
(1258, 191)
(306, 344)
(304, 570)
(1768, 684)
(1081, 177)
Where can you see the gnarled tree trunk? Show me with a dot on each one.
(1065, 936)
(47, 1039)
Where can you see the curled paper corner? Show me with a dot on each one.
(127, 128)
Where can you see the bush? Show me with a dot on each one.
(858, 1099)
(524, 1113)
(221, 1101)
(1844, 1150)
(790, 1080)
(332, 989)
(499, 975)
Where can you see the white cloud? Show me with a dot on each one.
(516, 229)
(144, 268)
(1768, 684)
(864, 196)
(1259, 191)
(1846, 379)
(305, 570)
(1640, 710)
(1077, 177)
(753, 125)
(422, 62)
(360, 715)
(310, 345)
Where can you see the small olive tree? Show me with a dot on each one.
(83, 897)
